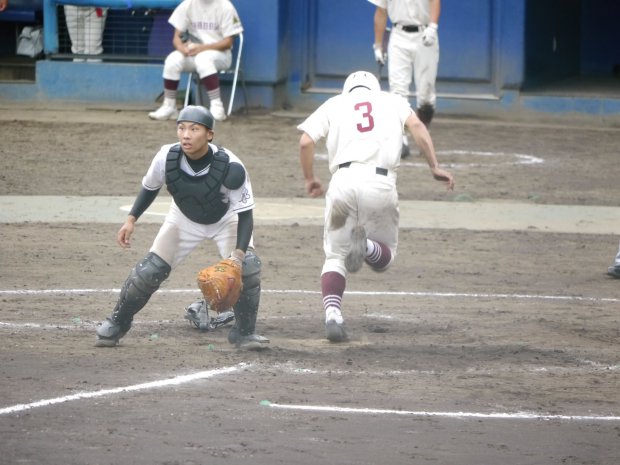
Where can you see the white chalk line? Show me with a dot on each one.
(201, 375)
(512, 158)
(467, 295)
(177, 380)
(452, 415)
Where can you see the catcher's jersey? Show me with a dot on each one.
(361, 126)
(209, 21)
(406, 12)
(240, 200)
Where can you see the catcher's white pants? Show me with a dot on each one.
(617, 261)
(364, 198)
(179, 236)
(407, 57)
(205, 63)
(85, 26)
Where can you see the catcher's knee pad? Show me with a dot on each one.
(143, 281)
(251, 271)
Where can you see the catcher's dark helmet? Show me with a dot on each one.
(197, 114)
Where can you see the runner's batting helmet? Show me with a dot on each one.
(360, 79)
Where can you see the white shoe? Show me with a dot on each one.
(217, 110)
(334, 325)
(335, 332)
(164, 113)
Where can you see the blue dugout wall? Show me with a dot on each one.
(298, 52)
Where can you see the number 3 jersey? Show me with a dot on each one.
(362, 126)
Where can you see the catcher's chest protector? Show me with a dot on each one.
(198, 197)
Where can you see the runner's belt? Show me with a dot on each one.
(381, 171)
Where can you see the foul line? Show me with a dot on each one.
(136, 387)
(474, 295)
(494, 416)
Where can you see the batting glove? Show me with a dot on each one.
(379, 55)
(429, 36)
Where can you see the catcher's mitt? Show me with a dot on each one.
(221, 284)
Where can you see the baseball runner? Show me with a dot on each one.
(413, 50)
(364, 128)
(204, 31)
(85, 25)
(212, 199)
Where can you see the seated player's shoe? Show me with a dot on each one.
(251, 342)
(217, 110)
(109, 334)
(163, 113)
(335, 332)
(357, 254)
(614, 271)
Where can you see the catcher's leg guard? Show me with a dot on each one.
(143, 281)
(242, 333)
(425, 113)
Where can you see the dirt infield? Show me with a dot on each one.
(476, 347)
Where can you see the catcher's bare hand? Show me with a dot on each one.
(445, 176)
(238, 255)
(123, 236)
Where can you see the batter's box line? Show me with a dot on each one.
(464, 295)
(453, 415)
(176, 381)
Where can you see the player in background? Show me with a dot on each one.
(413, 50)
(363, 127)
(204, 31)
(85, 25)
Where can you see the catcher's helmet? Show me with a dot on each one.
(360, 79)
(197, 114)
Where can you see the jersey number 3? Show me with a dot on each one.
(368, 122)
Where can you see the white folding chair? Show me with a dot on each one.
(195, 88)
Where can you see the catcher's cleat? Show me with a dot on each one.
(335, 332)
(109, 334)
(252, 342)
(106, 341)
(355, 258)
(614, 271)
(198, 315)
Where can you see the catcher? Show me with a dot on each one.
(212, 199)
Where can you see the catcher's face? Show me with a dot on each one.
(194, 138)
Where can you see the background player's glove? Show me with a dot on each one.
(221, 284)
(429, 36)
(379, 55)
